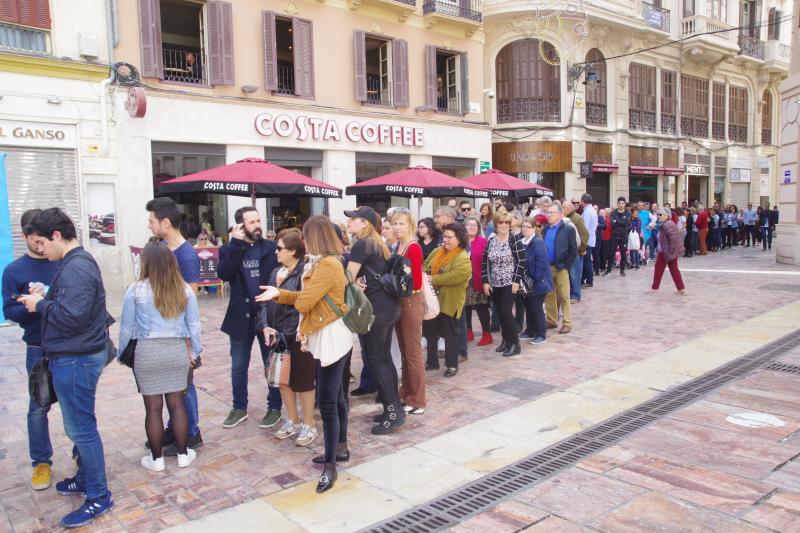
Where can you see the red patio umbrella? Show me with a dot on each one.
(251, 177)
(417, 182)
(502, 185)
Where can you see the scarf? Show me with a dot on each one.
(443, 258)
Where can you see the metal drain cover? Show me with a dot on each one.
(524, 389)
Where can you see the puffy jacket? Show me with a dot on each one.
(451, 283)
(241, 308)
(280, 317)
(670, 240)
(566, 247)
(538, 267)
(74, 315)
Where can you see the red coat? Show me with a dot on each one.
(476, 249)
(606, 235)
(702, 220)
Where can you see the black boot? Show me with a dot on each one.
(342, 455)
(502, 347)
(328, 477)
(513, 349)
(395, 417)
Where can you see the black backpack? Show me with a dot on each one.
(396, 280)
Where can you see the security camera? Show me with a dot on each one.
(489, 92)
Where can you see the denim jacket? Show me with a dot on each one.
(141, 320)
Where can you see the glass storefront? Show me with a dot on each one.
(368, 166)
(599, 186)
(643, 189)
(455, 167)
(198, 210)
(292, 211)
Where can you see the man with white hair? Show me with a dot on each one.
(590, 219)
(702, 227)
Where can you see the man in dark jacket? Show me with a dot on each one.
(246, 263)
(620, 227)
(74, 339)
(562, 249)
(31, 269)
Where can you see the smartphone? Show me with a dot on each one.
(16, 296)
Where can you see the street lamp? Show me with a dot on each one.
(575, 71)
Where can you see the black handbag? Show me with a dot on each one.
(128, 355)
(40, 384)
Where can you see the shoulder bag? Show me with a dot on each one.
(279, 364)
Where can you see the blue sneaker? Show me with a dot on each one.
(525, 336)
(70, 486)
(87, 512)
(537, 340)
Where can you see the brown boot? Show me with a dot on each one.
(564, 330)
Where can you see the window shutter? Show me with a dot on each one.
(9, 11)
(430, 75)
(38, 13)
(400, 72)
(464, 82)
(360, 58)
(150, 38)
(270, 51)
(220, 43)
(303, 58)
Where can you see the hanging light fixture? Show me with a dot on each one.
(592, 78)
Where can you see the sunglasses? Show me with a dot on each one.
(504, 222)
(281, 248)
(466, 209)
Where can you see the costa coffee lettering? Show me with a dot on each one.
(320, 190)
(400, 188)
(310, 128)
(217, 186)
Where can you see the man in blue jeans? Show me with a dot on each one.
(246, 263)
(164, 220)
(74, 315)
(18, 277)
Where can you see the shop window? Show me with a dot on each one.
(669, 102)
(766, 119)
(446, 81)
(187, 42)
(288, 55)
(381, 70)
(529, 84)
(694, 106)
(737, 114)
(370, 165)
(596, 111)
(642, 97)
(24, 25)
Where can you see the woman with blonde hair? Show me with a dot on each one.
(160, 312)
(368, 258)
(412, 310)
(321, 303)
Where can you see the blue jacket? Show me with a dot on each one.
(16, 279)
(539, 267)
(566, 249)
(241, 314)
(74, 311)
(141, 320)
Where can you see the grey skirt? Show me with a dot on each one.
(161, 365)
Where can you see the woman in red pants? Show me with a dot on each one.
(670, 248)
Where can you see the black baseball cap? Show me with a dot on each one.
(367, 213)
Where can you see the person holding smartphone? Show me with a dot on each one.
(31, 271)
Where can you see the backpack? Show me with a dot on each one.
(359, 315)
(396, 280)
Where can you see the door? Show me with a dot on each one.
(740, 194)
(599, 187)
(452, 83)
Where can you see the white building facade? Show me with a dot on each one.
(686, 122)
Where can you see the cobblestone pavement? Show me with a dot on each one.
(615, 326)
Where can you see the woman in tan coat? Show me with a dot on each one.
(323, 333)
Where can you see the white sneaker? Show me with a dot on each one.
(187, 459)
(156, 465)
(307, 435)
(288, 429)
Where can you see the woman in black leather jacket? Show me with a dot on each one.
(281, 321)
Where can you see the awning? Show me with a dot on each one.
(604, 167)
(669, 171)
(645, 171)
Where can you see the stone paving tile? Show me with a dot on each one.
(780, 512)
(246, 463)
(715, 415)
(508, 516)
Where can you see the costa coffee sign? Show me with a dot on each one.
(305, 128)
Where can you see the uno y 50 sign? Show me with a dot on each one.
(305, 128)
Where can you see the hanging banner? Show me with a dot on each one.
(6, 244)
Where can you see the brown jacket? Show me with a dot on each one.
(326, 277)
(583, 232)
(671, 242)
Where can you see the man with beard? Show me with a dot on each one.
(164, 220)
(246, 263)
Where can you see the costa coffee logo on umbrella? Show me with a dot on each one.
(218, 186)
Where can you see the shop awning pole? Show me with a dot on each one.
(419, 205)
(253, 196)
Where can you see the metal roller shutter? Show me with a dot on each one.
(740, 194)
(41, 178)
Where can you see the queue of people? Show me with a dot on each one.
(296, 295)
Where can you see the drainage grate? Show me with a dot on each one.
(783, 367)
(484, 493)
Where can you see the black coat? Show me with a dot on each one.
(241, 314)
(280, 317)
(620, 224)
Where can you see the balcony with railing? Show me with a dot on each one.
(642, 120)
(285, 78)
(751, 47)
(737, 133)
(376, 94)
(185, 66)
(694, 127)
(777, 54)
(596, 114)
(528, 110)
(656, 17)
(766, 136)
(23, 39)
(708, 30)
(668, 123)
(718, 130)
(463, 13)
(403, 8)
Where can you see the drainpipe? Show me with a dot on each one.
(111, 40)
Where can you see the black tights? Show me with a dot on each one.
(154, 422)
(483, 316)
